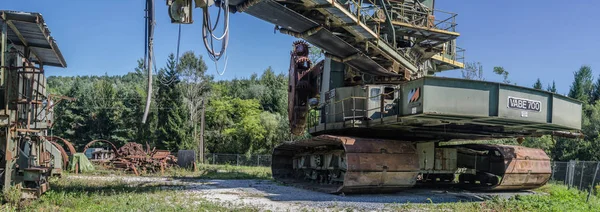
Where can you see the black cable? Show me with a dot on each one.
(150, 37)
(178, 43)
(146, 36)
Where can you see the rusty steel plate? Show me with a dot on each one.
(380, 162)
(526, 168)
(372, 164)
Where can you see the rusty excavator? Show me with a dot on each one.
(379, 121)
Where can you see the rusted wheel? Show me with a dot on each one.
(64, 141)
(112, 146)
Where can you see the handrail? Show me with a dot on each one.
(313, 120)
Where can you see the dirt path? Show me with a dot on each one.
(268, 195)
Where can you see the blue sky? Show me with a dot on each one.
(530, 39)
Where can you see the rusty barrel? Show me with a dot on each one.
(370, 165)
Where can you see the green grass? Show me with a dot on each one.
(553, 197)
(90, 195)
(205, 171)
(229, 172)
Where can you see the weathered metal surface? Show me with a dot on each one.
(426, 152)
(132, 157)
(526, 168)
(160, 154)
(367, 164)
(64, 141)
(301, 88)
(516, 167)
(132, 149)
(29, 29)
(434, 108)
(186, 158)
(63, 153)
(445, 159)
(378, 162)
(379, 179)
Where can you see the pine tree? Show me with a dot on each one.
(538, 84)
(552, 88)
(582, 86)
(171, 132)
(596, 91)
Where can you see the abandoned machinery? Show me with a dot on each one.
(378, 137)
(132, 157)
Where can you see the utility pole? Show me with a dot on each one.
(201, 154)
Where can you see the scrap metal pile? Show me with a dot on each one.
(133, 157)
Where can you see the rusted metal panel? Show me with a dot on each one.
(365, 145)
(525, 179)
(381, 162)
(526, 168)
(380, 179)
(29, 29)
(160, 154)
(445, 159)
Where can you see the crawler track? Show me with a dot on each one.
(336, 164)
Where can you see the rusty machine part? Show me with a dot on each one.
(133, 157)
(335, 164)
(503, 167)
(300, 87)
(132, 149)
(112, 146)
(64, 141)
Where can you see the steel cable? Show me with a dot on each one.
(208, 28)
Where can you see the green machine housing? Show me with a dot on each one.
(445, 108)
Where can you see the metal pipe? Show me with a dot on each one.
(3, 45)
(388, 21)
(150, 24)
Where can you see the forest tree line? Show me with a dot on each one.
(242, 115)
(245, 116)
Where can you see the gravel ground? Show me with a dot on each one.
(268, 195)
